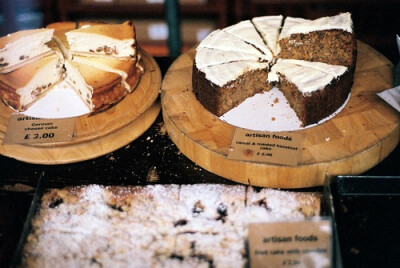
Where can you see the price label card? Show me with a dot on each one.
(290, 244)
(24, 129)
(269, 147)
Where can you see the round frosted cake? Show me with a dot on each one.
(101, 62)
(312, 63)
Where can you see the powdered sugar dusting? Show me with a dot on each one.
(154, 225)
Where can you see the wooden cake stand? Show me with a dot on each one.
(97, 134)
(353, 141)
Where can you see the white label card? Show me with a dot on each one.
(270, 147)
(24, 129)
(290, 244)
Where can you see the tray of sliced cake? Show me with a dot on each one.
(160, 225)
(281, 74)
(94, 72)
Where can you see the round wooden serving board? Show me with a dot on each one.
(355, 140)
(97, 134)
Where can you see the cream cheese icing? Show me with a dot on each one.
(307, 76)
(207, 57)
(342, 22)
(224, 41)
(224, 55)
(245, 30)
(224, 73)
(269, 27)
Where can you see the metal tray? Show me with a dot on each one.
(365, 210)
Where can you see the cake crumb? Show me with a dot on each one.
(273, 118)
(152, 175)
(162, 130)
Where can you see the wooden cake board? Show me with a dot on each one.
(97, 134)
(353, 141)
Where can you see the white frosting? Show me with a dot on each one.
(225, 54)
(245, 30)
(224, 41)
(207, 57)
(289, 23)
(268, 27)
(224, 73)
(341, 22)
(307, 76)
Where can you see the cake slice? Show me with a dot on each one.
(266, 205)
(329, 39)
(206, 57)
(98, 89)
(116, 40)
(59, 41)
(23, 86)
(246, 31)
(314, 90)
(269, 28)
(222, 87)
(224, 41)
(210, 208)
(125, 68)
(20, 48)
(225, 249)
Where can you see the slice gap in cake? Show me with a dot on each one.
(206, 57)
(269, 28)
(23, 47)
(314, 90)
(125, 68)
(246, 31)
(98, 89)
(24, 86)
(224, 41)
(59, 41)
(115, 40)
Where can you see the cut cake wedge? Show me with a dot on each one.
(116, 40)
(20, 48)
(21, 87)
